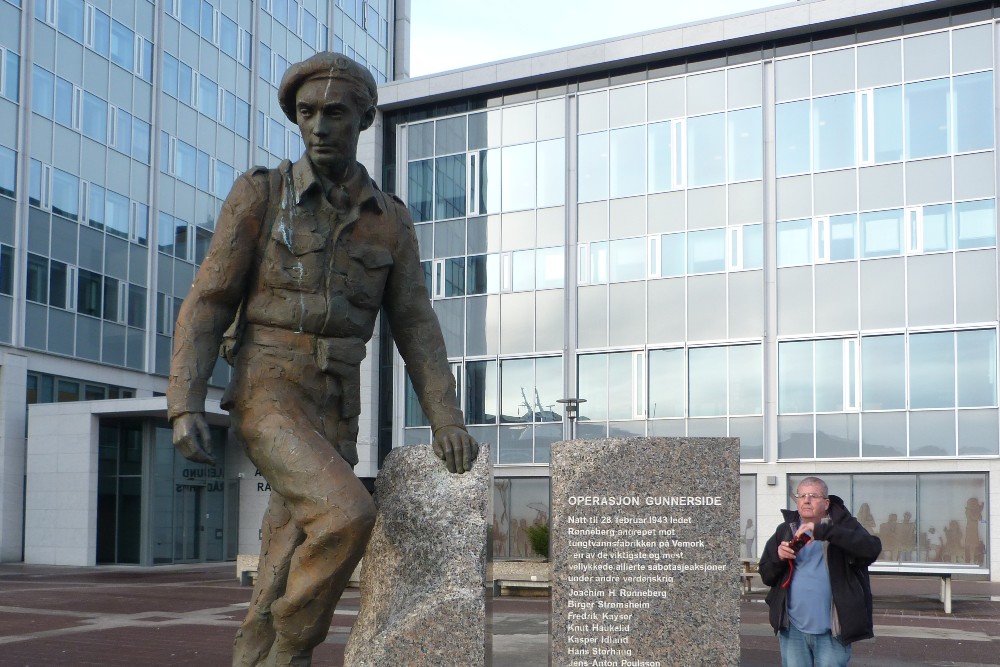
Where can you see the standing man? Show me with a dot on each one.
(816, 564)
(312, 251)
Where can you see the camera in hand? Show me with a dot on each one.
(799, 541)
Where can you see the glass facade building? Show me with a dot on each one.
(123, 124)
(786, 239)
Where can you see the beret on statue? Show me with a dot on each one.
(328, 65)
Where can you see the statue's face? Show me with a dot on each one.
(330, 122)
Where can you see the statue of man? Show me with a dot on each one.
(307, 254)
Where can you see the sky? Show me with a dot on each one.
(452, 34)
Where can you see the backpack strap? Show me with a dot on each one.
(232, 340)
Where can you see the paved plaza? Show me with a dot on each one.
(186, 615)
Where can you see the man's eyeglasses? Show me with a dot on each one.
(810, 496)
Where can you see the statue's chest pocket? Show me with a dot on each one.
(366, 272)
(295, 259)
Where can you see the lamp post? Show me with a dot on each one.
(572, 410)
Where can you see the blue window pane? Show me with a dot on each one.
(208, 97)
(228, 36)
(116, 219)
(202, 171)
(746, 145)
(224, 177)
(185, 85)
(517, 181)
(660, 156)
(184, 162)
(794, 242)
(883, 373)
(309, 29)
(707, 251)
(420, 191)
(8, 171)
(190, 10)
(937, 228)
(977, 368)
(927, 118)
(833, 132)
(264, 61)
(64, 102)
(977, 224)
(672, 255)
(882, 233)
(123, 132)
(628, 161)
(95, 206)
(242, 118)
(888, 124)
(792, 138)
(65, 194)
(10, 82)
(974, 112)
(276, 138)
(169, 75)
(102, 32)
(842, 237)
(70, 18)
(122, 44)
(206, 20)
(42, 83)
(932, 370)
(95, 117)
(706, 150)
(450, 186)
(593, 166)
(753, 247)
(551, 189)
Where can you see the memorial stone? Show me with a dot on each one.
(645, 551)
(423, 600)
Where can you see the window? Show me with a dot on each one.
(65, 194)
(883, 371)
(10, 64)
(792, 138)
(973, 112)
(117, 218)
(833, 131)
(976, 224)
(42, 85)
(706, 150)
(8, 171)
(95, 117)
(927, 108)
(122, 45)
(706, 251)
(228, 36)
(100, 31)
(881, 233)
(745, 145)
(628, 161)
(70, 18)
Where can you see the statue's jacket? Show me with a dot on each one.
(311, 270)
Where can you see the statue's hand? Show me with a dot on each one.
(456, 448)
(192, 438)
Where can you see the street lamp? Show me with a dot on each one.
(572, 409)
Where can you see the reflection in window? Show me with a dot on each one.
(450, 186)
(420, 191)
(672, 262)
(483, 274)
(977, 368)
(8, 171)
(927, 118)
(661, 156)
(977, 227)
(973, 112)
(746, 145)
(37, 279)
(842, 237)
(706, 150)
(88, 294)
(792, 138)
(551, 173)
(881, 233)
(706, 251)
(794, 242)
(481, 392)
(593, 166)
(42, 83)
(795, 377)
(883, 372)
(888, 124)
(666, 383)
(65, 194)
(833, 131)
(628, 161)
(932, 370)
(707, 381)
(122, 44)
(627, 259)
(937, 232)
(518, 178)
(550, 268)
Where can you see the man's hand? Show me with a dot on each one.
(192, 438)
(785, 552)
(452, 445)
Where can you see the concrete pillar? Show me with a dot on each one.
(13, 389)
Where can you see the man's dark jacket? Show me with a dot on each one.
(850, 549)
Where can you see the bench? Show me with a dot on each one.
(747, 575)
(941, 570)
(531, 586)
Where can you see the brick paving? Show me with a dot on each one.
(187, 615)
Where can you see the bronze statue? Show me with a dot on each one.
(303, 258)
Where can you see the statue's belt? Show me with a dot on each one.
(340, 357)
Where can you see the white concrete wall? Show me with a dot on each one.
(13, 385)
(61, 498)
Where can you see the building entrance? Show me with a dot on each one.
(189, 526)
